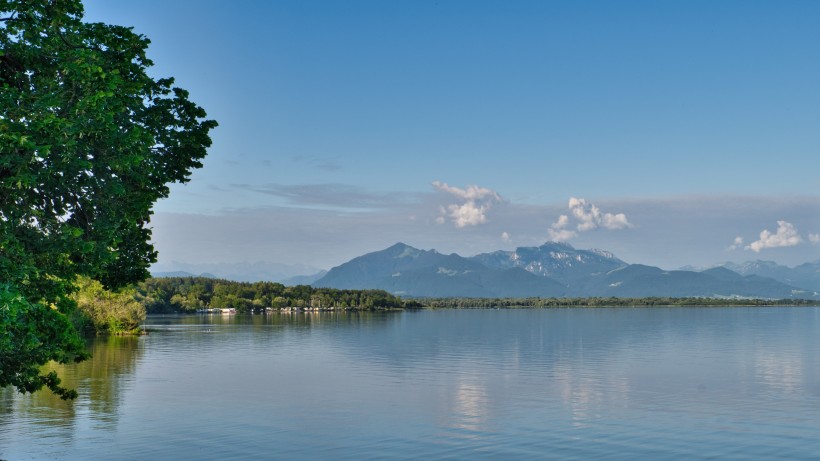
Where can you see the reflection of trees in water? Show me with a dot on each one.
(6, 406)
(294, 321)
(202, 334)
(332, 319)
(100, 382)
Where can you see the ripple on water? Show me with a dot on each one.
(581, 384)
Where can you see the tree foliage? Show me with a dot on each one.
(102, 311)
(186, 294)
(88, 143)
(31, 335)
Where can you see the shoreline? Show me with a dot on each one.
(536, 303)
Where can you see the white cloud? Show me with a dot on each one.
(786, 236)
(468, 214)
(505, 236)
(738, 243)
(588, 217)
(473, 211)
(563, 222)
(814, 238)
(615, 221)
(668, 232)
(472, 192)
(559, 232)
(561, 235)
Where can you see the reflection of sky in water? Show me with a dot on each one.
(466, 414)
(779, 371)
(512, 384)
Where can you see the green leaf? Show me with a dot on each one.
(78, 172)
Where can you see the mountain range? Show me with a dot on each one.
(559, 270)
(806, 275)
(288, 274)
(404, 270)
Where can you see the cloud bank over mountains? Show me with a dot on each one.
(475, 202)
(323, 225)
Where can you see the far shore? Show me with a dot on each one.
(522, 303)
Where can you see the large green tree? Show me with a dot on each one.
(88, 142)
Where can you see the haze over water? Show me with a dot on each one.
(643, 383)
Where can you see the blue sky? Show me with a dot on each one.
(682, 130)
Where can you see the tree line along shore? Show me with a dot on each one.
(121, 312)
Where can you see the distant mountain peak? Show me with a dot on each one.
(558, 260)
(238, 271)
(751, 266)
(402, 250)
(806, 275)
(719, 270)
(551, 244)
(402, 269)
(603, 253)
(554, 269)
(398, 246)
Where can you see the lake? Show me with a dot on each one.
(615, 384)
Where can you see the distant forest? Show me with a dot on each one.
(511, 303)
(189, 294)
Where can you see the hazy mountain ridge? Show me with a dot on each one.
(637, 280)
(552, 269)
(240, 272)
(303, 279)
(404, 270)
(559, 261)
(806, 275)
(205, 275)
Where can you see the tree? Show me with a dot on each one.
(88, 143)
(31, 335)
(104, 311)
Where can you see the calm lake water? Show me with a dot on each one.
(621, 383)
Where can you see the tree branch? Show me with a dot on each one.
(71, 45)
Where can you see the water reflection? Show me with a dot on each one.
(100, 381)
(779, 372)
(470, 411)
(515, 384)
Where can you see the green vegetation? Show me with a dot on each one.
(102, 377)
(88, 143)
(187, 294)
(102, 311)
(491, 303)
(31, 335)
